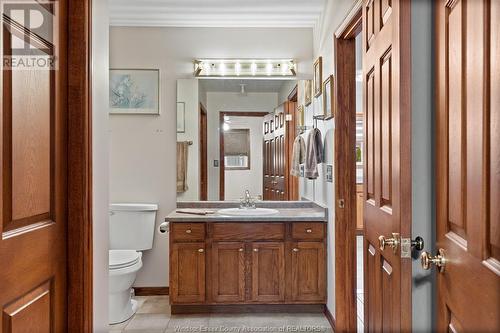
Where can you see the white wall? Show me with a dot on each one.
(187, 92)
(100, 165)
(236, 181)
(227, 101)
(285, 90)
(143, 148)
(319, 190)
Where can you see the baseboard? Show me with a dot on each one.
(330, 318)
(248, 308)
(150, 291)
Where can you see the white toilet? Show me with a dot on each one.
(131, 229)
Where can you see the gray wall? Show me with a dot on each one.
(423, 217)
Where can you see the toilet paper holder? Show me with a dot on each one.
(164, 227)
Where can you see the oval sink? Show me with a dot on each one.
(247, 211)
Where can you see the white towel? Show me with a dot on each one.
(298, 155)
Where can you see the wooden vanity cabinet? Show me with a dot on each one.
(187, 272)
(248, 263)
(268, 272)
(228, 272)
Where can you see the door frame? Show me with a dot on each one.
(79, 167)
(222, 170)
(345, 170)
(203, 153)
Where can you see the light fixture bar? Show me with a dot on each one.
(244, 67)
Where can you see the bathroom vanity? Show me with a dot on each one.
(224, 262)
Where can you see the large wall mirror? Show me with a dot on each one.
(235, 135)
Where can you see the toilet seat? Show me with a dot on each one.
(119, 259)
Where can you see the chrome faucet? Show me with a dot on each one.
(247, 202)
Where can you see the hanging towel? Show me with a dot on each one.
(182, 160)
(314, 154)
(298, 155)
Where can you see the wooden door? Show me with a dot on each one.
(468, 165)
(228, 272)
(203, 154)
(278, 142)
(268, 272)
(387, 201)
(187, 264)
(280, 154)
(268, 163)
(308, 272)
(33, 199)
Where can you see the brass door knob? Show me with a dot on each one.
(428, 260)
(188, 231)
(201, 250)
(295, 249)
(391, 242)
(241, 250)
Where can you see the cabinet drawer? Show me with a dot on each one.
(248, 231)
(308, 230)
(182, 232)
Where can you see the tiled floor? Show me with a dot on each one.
(154, 316)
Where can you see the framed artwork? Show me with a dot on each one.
(328, 98)
(300, 115)
(318, 79)
(181, 117)
(134, 91)
(308, 92)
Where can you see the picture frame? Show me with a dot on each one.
(328, 97)
(308, 92)
(318, 76)
(300, 115)
(181, 117)
(134, 91)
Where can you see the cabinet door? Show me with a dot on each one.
(228, 272)
(308, 272)
(268, 272)
(187, 267)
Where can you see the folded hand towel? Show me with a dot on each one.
(298, 155)
(182, 160)
(314, 153)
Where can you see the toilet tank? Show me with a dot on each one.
(131, 226)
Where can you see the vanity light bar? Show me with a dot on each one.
(244, 67)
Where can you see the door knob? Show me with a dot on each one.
(439, 260)
(391, 242)
(418, 243)
(201, 250)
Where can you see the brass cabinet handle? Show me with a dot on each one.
(427, 260)
(241, 250)
(255, 250)
(295, 249)
(188, 231)
(201, 250)
(391, 242)
(309, 231)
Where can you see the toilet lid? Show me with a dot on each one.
(123, 258)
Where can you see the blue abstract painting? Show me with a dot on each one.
(134, 91)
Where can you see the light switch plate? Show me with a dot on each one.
(329, 173)
(216, 163)
(302, 170)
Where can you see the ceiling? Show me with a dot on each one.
(216, 13)
(234, 85)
